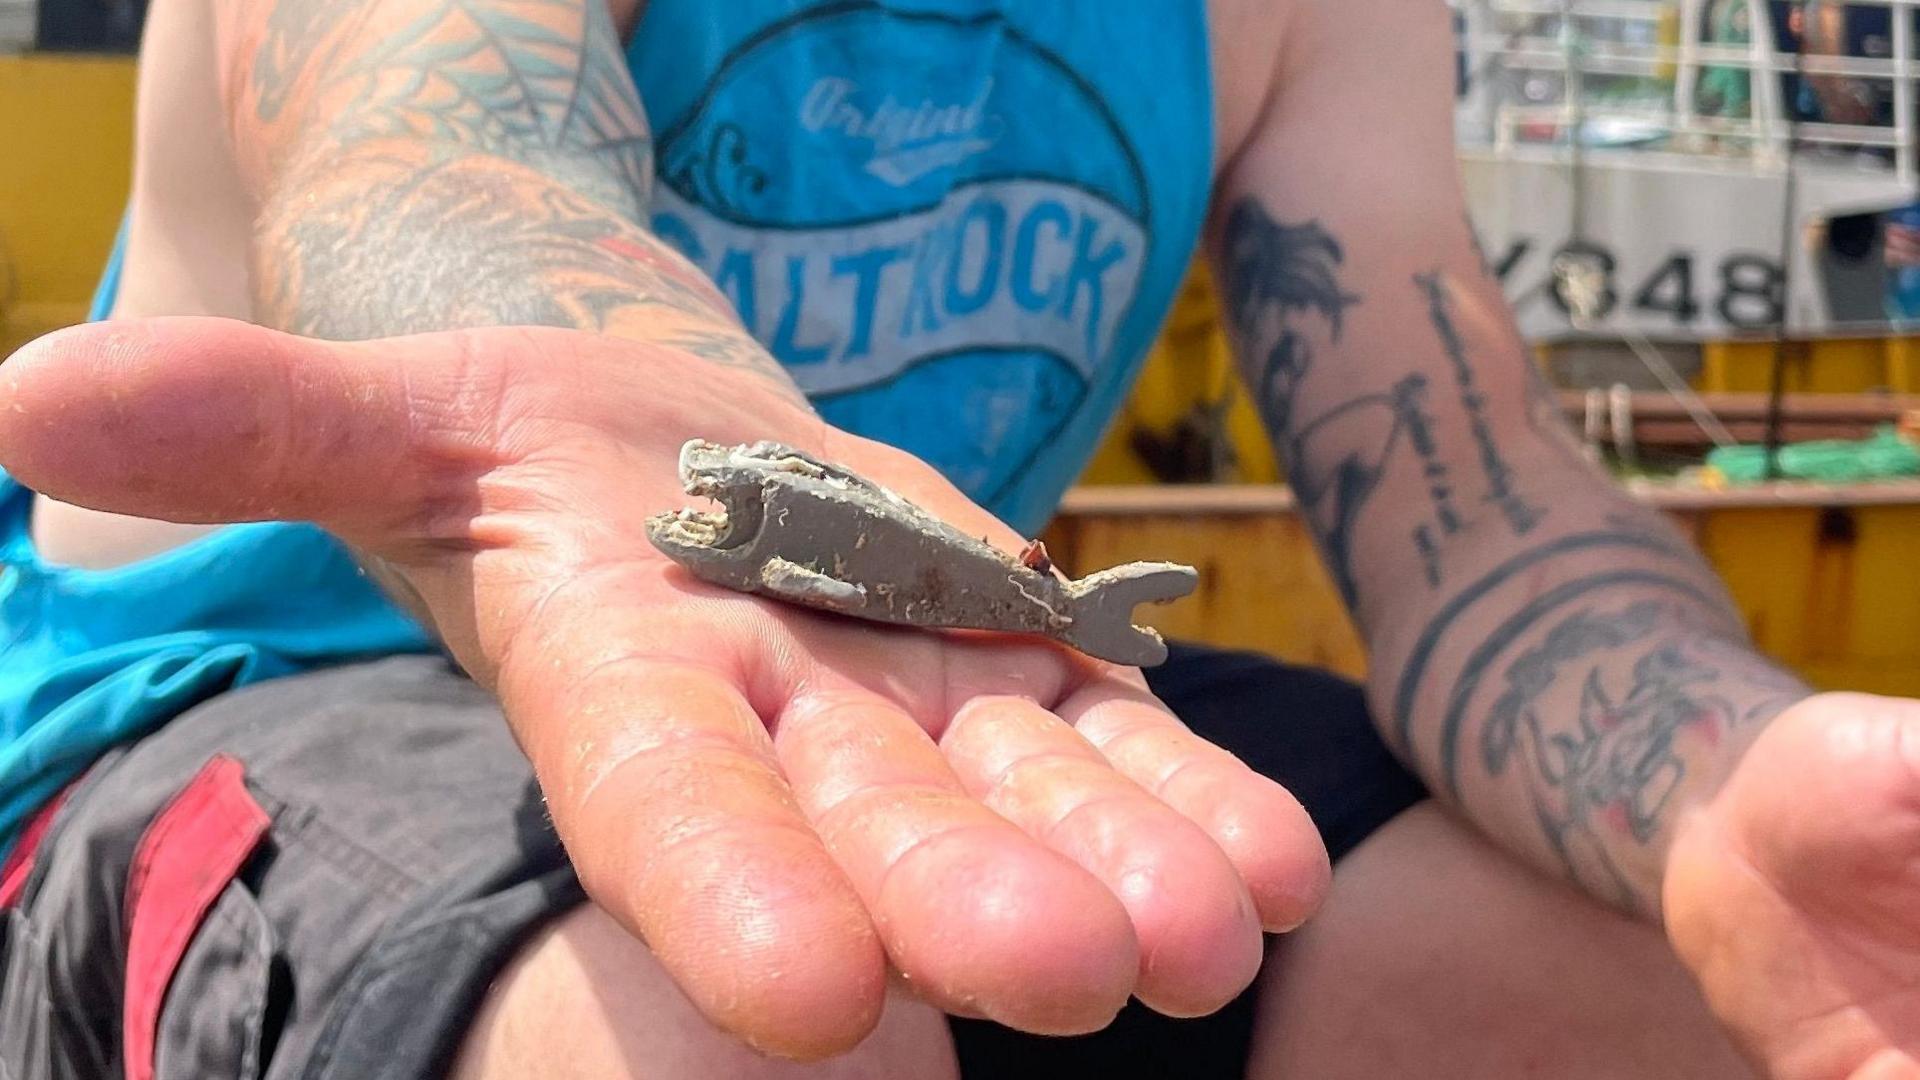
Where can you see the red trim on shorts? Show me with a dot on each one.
(13, 874)
(188, 855)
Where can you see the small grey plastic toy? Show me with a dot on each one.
(801, 530)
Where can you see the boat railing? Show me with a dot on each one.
(1515, 51)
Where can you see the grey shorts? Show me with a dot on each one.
(319, 876)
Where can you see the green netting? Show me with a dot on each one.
(1885, 455)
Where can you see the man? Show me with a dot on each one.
(955, 225)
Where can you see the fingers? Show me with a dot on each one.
(1200, 942)
(661, 780)
(1262, 828)
(979, 918)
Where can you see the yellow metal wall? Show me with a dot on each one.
(66, 145)
(1832, 592)
(1814, 367)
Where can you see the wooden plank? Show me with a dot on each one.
(1660, 419)
(1178, 500)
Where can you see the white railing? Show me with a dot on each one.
(1572, 41)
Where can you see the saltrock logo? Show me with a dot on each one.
(908, 140)
(935, 273)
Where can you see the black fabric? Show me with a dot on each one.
(1303, 727)
(409, 855)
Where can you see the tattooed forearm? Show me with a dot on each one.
(1552, 657)
(395, 238)
(1599, 748)
(542, 82)
(463, 163)
(1520, 627)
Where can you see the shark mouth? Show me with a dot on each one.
(735, 477)
(741, 513)
(694, 528)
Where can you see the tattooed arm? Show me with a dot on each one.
(434, 164)
(1553, 657)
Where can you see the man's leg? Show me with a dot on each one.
(1440, 957)
(586, 1000)
(337, 874)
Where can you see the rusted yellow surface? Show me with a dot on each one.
(1832, 592)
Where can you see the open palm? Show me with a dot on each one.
(781, 804)
(1795, 894)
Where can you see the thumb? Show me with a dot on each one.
(212, 420)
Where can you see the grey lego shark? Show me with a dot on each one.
(811, 533)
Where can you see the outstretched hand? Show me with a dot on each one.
(781, 804)
(1795, 894)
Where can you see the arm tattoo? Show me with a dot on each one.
(539, 81)
(1279, 278)
(480, 163)
(1434, 474)
(526, 79)
(297, 34)
(1520, 514)
(1516, 628)
(409, 241)
(1337, 462)
(1599, 740)
(1628, 536)
(1283, 294)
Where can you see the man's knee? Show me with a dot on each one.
(585, 999)
(1439, 956)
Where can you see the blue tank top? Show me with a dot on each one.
(957, 223)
